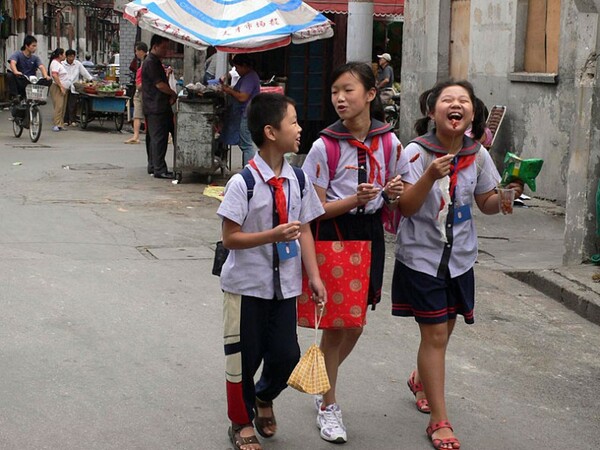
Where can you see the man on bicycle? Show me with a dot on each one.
(24, 63)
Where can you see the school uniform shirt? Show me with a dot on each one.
(250, 271)
(345, 180)
(57, 68)
(419, 245)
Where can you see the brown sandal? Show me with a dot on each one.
(239, 441)
(261, 423)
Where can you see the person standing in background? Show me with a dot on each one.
(157, 99)
(59, 89)
(385, 78)
(244, 91)
(141, 50)
(75, 71)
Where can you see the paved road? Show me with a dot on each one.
(110, 333)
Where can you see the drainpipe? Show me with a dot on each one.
(359, 38)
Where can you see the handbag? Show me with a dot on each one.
(221, 254)
(345, 268)
(310, 374)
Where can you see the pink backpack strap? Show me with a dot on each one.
(332, 150)
(387, 152)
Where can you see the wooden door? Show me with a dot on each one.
(460, 26)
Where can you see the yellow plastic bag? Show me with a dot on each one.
(310, 374)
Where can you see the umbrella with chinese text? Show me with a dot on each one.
(234, 26)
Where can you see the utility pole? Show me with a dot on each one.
(359, 40)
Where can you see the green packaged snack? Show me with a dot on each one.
(525, 170)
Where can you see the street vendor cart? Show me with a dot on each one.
(197, 124)
(102, 107)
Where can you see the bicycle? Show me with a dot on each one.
(26, 113)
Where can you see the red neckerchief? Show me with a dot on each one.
(463, 162)
(277, 185)
(373, 163)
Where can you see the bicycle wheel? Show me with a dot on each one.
(119, 120)
(35, 123)
(17, 127)
(84, 114)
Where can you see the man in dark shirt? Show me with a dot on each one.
(157, 98)
(24, 62)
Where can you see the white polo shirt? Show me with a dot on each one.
(56, 67)
(345, 180)
(250, 271)
(418, 244)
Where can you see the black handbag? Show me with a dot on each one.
(221, 254)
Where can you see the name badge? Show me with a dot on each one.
(462, 214)
(287, 250)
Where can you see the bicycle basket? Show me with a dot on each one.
(36, 92)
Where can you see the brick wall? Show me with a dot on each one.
(127, 34)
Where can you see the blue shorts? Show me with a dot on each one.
(430, 299)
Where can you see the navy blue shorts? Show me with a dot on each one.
(430, 299)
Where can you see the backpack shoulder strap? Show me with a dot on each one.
(301, 179)
(249, 179)
(332, 149)
(387, 152)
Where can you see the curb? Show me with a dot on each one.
(575, 296)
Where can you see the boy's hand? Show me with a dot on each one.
(287, 232)
(440, 167)
(394, 188)
(365, 193)
(319, 293)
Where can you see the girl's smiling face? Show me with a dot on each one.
(350, 98)
(453, 111)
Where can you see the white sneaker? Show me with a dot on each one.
(329, 421)
(318, 402)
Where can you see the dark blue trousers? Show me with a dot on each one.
(267, 335)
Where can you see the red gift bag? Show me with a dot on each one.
(345, 268)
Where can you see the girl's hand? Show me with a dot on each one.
(394, 188)
(287, 232)
(319, 293)
(365, 193)
(63, 90)
(440, 167)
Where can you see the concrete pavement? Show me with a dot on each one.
(110, 334)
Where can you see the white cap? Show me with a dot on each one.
(385, 56)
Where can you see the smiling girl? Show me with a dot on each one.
(437, 242)
(353, 201)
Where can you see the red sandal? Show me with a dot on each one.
(423, 404)
(437, 443)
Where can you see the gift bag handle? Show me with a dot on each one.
(337, 230)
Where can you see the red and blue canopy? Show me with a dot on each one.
(234, 26)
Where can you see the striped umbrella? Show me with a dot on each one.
(234, 26)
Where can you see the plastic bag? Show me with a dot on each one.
(172, 82)
(525, 170)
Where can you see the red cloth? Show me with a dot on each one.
(280, 200)
(463, 162)
(373, 163)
